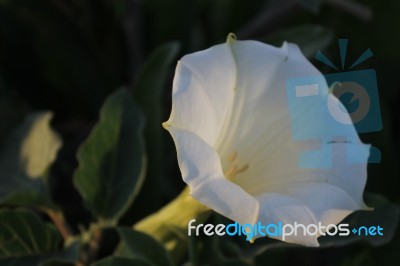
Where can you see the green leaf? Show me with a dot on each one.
(21, 261)
(138, 245)
(28, 198)
(65, 257)
(385, 214)
(149, 87)
(117, 261)
(148, 92)
(112, 160)
(69, 255)
(22, 233)
(310, 38)
(24, 160)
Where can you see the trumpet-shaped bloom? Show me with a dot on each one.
(231, 125)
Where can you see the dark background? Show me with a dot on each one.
(68, 56)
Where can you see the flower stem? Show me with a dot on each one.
(169, 224)
(58, 219)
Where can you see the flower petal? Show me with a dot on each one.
(276, 208)
(259, 125)
(260, 100)
(350, 177)
(307, 204)
(202, 92)
(201, 170)
(231, 120)
(262, 131)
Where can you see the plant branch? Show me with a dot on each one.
(59, 221)
(94, 245)
(92, 239)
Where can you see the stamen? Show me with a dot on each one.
(232, 156)
(232, 166)
(231, 171)
(242, 169)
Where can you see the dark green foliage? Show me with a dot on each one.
(111, 163)
(112, 160)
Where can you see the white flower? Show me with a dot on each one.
(231, 125)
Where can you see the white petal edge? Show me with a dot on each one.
(306, 204)
(201, 170)
(203, 91)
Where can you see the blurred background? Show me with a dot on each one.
(67, 56)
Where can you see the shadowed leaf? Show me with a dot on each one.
(148, 92)
(138, 245)
(111, 161)
(23, 234)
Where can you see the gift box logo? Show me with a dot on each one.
(356, 94)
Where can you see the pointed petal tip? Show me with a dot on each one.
(231, 37)
(166, 125)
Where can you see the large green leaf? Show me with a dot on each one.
(24, 160)
(310, 38)
(148, 89)
(148, 92)
(112, 159)
(69, 255)
(137, 245)
(30, 198)
(22, 261)
(118, 261)
(35, 235)
(23, 234)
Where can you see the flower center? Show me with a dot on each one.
(234, 166)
